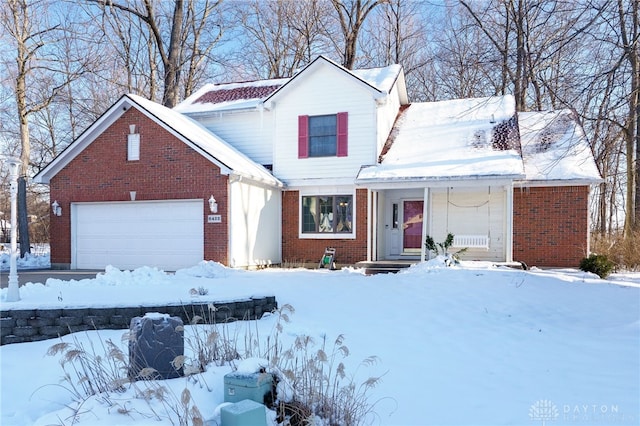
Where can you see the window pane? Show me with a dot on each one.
(322, 146)
(321, 125)
(309, 212)
(326, 214)
(344, 214)
(322, 135)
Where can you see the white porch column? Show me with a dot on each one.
(509, 239)
(425, 229)
(371, 225)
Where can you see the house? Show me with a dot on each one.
(274, 171)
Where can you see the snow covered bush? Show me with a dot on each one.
(598, 264)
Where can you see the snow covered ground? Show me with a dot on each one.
(37, 259)
(467, 345)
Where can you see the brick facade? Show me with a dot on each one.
(309, 251)
(551, 225)
(168, 169)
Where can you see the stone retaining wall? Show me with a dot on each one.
(30, 325)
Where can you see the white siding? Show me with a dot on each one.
(471, 212)
(250, 132)
(255, 225)
(387, 114)
(326, 90)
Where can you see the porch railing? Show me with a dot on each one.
(471, 241)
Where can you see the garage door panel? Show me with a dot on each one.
(167, 234)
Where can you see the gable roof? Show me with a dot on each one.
(230, 160)
(463, 139)
(555, 148)
(378, 81)
(253, 94)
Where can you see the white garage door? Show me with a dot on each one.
(128, 235)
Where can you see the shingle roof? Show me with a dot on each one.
(236, 93)
(555, 147)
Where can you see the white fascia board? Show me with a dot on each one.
(471, 181)
(235, 176)
(295, 184)
(556, 182)
(226, 110)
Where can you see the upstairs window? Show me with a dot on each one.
(322, 135)
(327, 214)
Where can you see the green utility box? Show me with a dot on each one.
(253, 386)
(243, 413)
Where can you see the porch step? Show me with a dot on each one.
(384, 266)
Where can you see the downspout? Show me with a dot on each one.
(509, 241)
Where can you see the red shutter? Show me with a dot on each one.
(342, 133)
(303, 136)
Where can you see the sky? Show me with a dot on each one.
(473, 344)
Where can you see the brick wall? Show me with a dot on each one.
(551, 225)
(167, 169)
(296, 250)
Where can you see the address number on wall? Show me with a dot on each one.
(214, 218)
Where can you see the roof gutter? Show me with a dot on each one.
(435, 181)
(220, 111)
(556, 182)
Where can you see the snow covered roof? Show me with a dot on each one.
(202, 140)
(249, 95)
(464, 139)
(555, 148)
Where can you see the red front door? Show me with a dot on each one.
(412, 225)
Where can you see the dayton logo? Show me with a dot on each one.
(544, 411)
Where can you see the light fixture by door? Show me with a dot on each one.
(213, 205)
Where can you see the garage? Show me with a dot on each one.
(127, 235)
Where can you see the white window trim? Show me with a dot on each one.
(308, 192)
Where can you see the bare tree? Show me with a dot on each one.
(176, 35)
(531, 38)
(279, 36)
(397, 34)
(37, 74)
(629, 24)
(351, 16)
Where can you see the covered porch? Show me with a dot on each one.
(479, 215)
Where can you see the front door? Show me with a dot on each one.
(412, 226)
